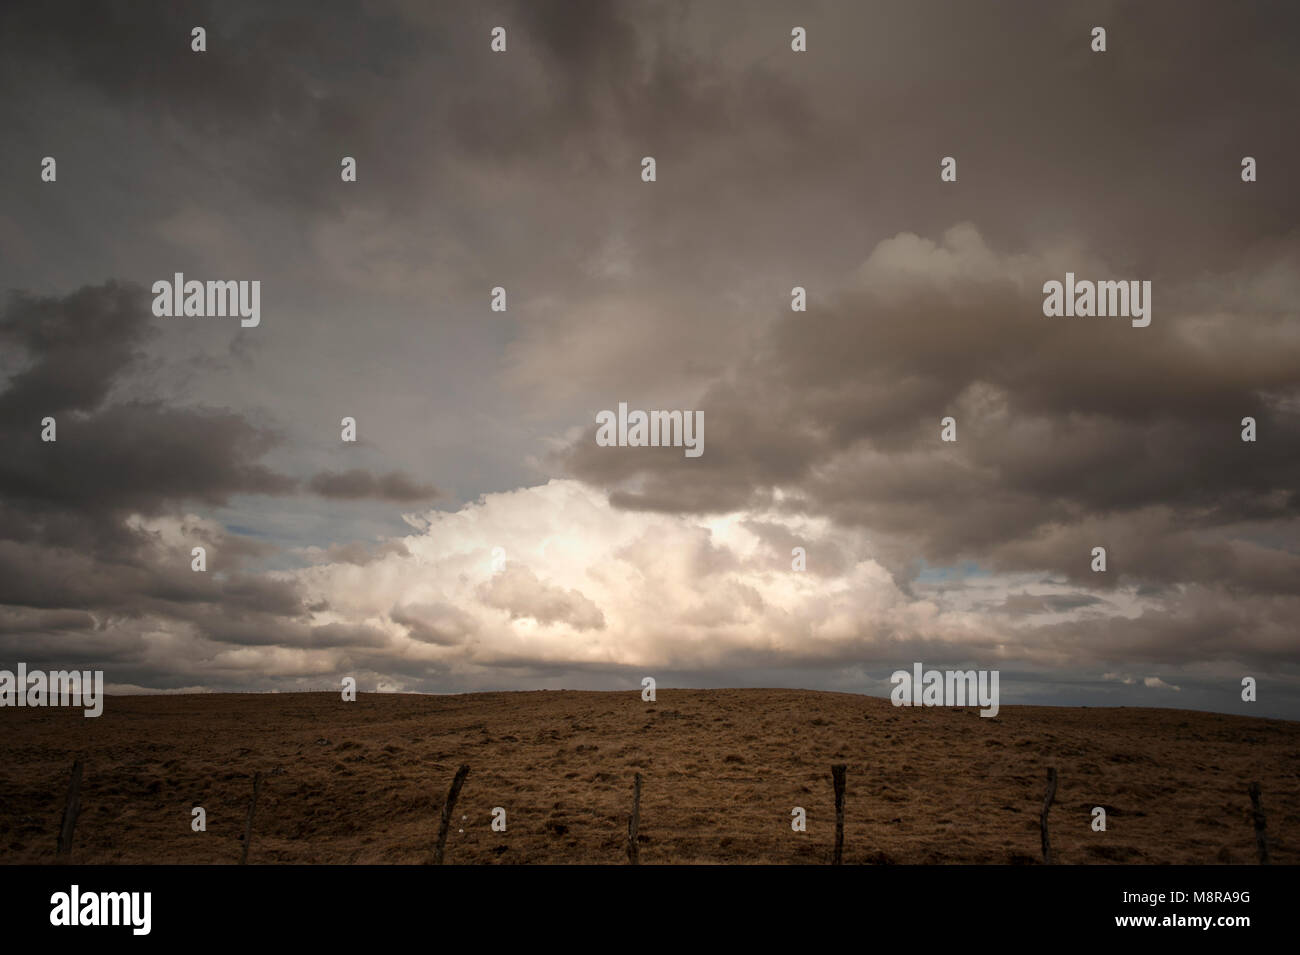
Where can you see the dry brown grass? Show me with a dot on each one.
(363, 782)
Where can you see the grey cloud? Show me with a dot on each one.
(360, 553)
(520, 592)
(357, 483)
(438, 623)
(1047, 603)
(1060, 424)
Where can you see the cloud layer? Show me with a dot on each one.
(476, 428)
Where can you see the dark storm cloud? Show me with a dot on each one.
(313, 81)
(282, 93)
(1207, 625)
(288, 76)
(25, 620)
(131, 456)
(67, 538)
(857, 125)
(1061, 422)
(109, 460)
(355, 484)
(77, 346)
(228, 625)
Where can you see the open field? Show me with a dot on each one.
(364, 782)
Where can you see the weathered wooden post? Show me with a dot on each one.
(71, 810)
(1261, 836)
(837, 777)
(248, 824)
(1042, 819)
(634, 822)
(447, 808)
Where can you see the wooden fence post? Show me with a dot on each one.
(248, 824)
(837, 777)
(1261, 836)
(71, 810)
(1042, 819)
(634, 822)
(447, 808)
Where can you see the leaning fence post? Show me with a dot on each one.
(71, 809)
(1261, 836)
(248, 824)
(837, 777)
(1042, 819)
(447, 808)
(634, 822)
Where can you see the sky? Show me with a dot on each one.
(476, 535)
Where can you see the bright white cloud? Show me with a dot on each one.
(580, 583)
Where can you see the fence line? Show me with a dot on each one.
(837, 780)
(448, 806)
(72, 810)
(1042, 819)
(248, 825)
(811, 775)
(1261, 835)
(634, 823)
